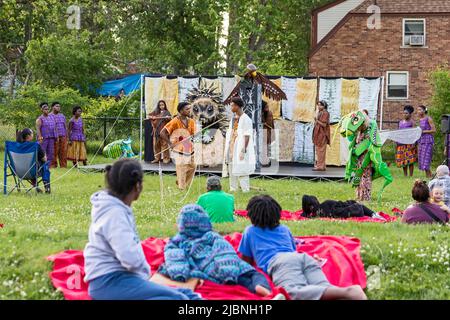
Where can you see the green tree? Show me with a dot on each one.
(67, 61)
(440, 79)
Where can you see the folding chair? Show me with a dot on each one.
(21, 160)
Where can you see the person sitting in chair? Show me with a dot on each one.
(26, 135)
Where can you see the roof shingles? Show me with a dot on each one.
(406, 6)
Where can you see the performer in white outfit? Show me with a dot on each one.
(240, 158)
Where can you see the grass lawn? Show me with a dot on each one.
(414, 260)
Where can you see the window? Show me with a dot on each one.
(414, 34)
(397, 85)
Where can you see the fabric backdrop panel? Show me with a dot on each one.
(274, 106)
(215, 83)
(334, 149)
(289, 86)
(330, 91)
(169, 93)
(152, 91)
(228, 84)
(350, 96)
(185, 85)
(369, 92)
(345, 155)
(305, 100)
(303, 151)
(286, 130)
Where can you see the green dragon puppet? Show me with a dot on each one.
(349, 127)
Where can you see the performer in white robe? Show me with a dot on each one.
(240, 158)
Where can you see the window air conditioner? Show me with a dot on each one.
(417, 41)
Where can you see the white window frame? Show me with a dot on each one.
(404, 45)
(388, 73)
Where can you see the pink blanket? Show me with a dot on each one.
(297, 216)
(344, 267)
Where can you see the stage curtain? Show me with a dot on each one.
(274, 106)
(286, 130)
(330, 91)
(185, 85)
(169, 93)
(334, 149)
(369, 92)
(303, 151)
(289, 86)
(350, 96)
(305, 100)
(152, 89)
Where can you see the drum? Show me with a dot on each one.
(183, 146)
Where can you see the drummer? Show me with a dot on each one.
(186, 167)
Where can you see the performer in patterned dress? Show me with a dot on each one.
(426, 141)
(61, 137)
(406, 154)
(46, 131)
(77, 140)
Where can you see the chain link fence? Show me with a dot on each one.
(99, 132)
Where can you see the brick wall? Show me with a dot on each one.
(356, 51)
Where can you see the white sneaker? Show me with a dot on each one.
(377, 216)
(279, 296)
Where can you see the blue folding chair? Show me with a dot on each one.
(21, 160)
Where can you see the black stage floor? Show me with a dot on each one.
(283, 170)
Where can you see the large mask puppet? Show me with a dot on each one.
(210, 115)
(349, 126)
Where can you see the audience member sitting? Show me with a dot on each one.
(26, 135)
(273, 248)
(218, 204)
(442, 179)
(335, 209)
(423, 211)
(437, 196)
(115, 264)
(199, 252)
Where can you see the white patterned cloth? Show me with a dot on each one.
(289, 86)
(303, 144)
(403, 136)
(369, 92)
(331, 92)
(185, 85)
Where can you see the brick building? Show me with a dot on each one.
(412, 39)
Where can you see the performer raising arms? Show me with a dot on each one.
(185, 166)
(159, 118)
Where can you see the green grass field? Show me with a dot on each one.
(413, 260)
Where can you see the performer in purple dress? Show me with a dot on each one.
(406, 154)
(61, 138)
(46, 131)
(77, 140)
(426, 141)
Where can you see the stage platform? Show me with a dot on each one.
(284, 170)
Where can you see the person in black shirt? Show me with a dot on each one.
(335, 209)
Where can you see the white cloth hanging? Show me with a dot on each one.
(403, 136)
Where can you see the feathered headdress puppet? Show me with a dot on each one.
(269, 89)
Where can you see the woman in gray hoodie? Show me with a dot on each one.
(115, 264)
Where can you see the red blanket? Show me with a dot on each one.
(297, 216)
(344, 267)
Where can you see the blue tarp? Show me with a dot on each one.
(129, 84)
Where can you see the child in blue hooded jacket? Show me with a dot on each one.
(199, 252)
